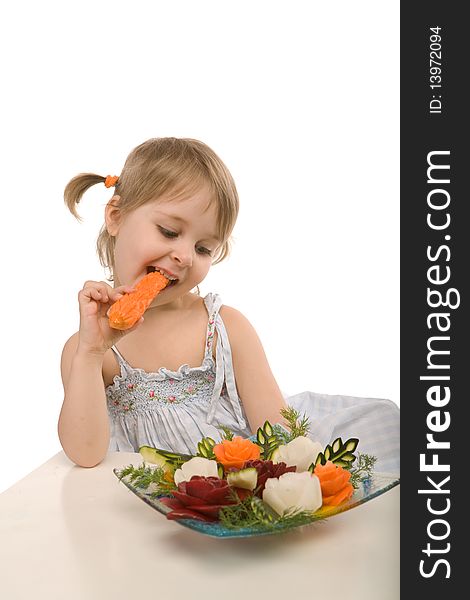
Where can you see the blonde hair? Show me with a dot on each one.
(174, 167)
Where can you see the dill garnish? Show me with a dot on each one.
(299, 425)
(227, 433)
(253, 512)
(363, 469)
(144, 476)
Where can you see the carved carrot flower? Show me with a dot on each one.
(234, 453)
(334, 482)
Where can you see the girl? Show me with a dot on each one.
(175, 376)
(191, 364)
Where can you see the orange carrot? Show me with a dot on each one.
(334, 483)
(125, 313)
(235, 452)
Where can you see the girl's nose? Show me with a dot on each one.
(182, 255)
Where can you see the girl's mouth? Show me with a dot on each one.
(172, 280)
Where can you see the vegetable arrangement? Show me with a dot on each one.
(278, 477)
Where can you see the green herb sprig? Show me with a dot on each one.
(299, 425)
(363, 469)
(227, 433)
(144, 476)
(253, 512)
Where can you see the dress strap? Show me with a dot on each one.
(224, 365)
(122, 362)
(213, 303)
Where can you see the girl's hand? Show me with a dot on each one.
(95, 299)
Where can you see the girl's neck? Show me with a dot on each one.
(183, 303)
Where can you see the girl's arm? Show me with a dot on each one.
(83, 422)
(258, 390)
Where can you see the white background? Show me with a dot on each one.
(300, 99)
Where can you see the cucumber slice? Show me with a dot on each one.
(245, 478)
(348, 457)
(168, 461)
(151, 455)
(339, 453)
(205, 448)
(351, 444)
(268, 430)
(336, 445)
(267, 440)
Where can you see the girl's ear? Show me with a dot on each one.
(112, 216)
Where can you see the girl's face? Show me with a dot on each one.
(178, 237)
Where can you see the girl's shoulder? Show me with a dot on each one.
(239, 329)
(231, 316)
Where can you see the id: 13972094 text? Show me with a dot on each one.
(435, 69)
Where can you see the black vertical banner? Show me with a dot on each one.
(435, 361)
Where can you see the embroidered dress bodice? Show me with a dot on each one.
(173, 410)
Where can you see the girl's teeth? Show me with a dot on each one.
(152, 269)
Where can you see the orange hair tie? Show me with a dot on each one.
(111, 181)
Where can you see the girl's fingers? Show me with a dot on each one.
(114, 295)
(96, 298)
(96, 294)
(96, 290)
(123, 289)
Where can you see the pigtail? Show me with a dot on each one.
(76, 187)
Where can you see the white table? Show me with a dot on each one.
(68, 533)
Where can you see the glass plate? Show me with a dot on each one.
(368, 489)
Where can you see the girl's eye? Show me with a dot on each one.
(174, 234)
(203, 250)
(167, 233)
